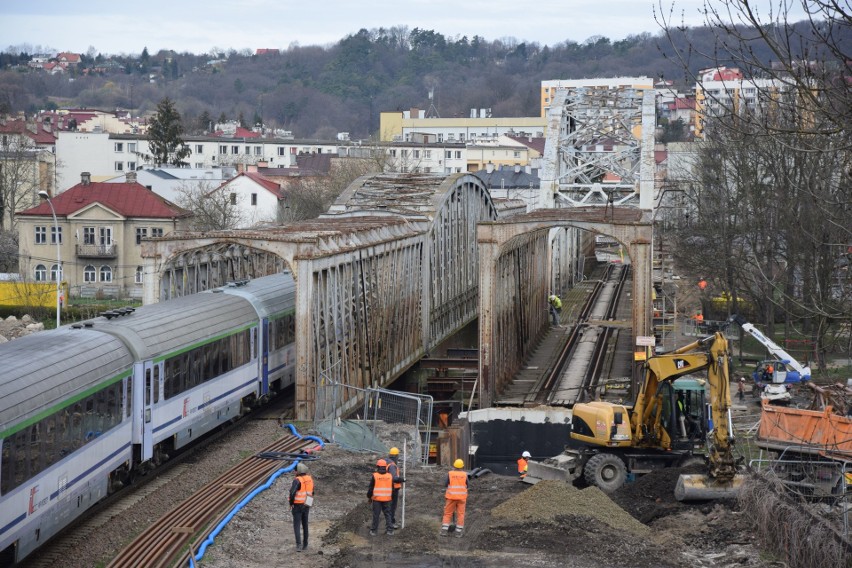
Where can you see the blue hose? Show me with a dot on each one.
(212, 536)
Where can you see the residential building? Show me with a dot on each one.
(27, 166)
(255, 197)
(168, 181)
(723, 90)
(406, 126)
(99, 228)
(512, 183)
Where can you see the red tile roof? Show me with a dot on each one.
(268, 184)
(40, 136)
(127, 199)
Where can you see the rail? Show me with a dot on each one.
(171, 537)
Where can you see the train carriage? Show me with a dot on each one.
(64, 428)
(196, 359)
(274, 299)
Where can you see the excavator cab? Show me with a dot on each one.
(689, 413)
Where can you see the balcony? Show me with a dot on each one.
(96, 251)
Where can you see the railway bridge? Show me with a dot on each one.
(394, 269)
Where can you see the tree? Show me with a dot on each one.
(24, 170)
(165, 133)
(213, 209)
(786, 161)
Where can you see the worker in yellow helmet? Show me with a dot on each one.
(393, 469)
(555, 308)
(455, 498)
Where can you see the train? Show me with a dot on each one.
(87, 407)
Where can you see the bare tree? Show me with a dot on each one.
(212, 208)
(24, 171)
(310, 197)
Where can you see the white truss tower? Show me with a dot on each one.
(595, 133)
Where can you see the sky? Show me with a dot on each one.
(115, 27)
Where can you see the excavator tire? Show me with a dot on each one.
(607, 472)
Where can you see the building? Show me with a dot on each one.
(413, 125)
(255, 197)
(99, 228)
(723, 90)
(167, 182)
(27, 166)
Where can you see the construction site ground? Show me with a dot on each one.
(552, 524)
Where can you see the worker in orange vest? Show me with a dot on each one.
(301, 500)
(455, 498)
(522, 464)
(699, 318)
(393, 469)
(380, 494)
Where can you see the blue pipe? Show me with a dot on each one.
(212, 536)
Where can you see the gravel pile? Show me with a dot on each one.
(551, 499)
(13, 328)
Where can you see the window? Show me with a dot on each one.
(131, 147)
(258, 150)
(131, 166)
(55, 272)
(199, 148)
(198, 165)
(223, 149)
(41, 235)
(393, 153)
(55, 237)
(105, 236)
(282, 151)
(119, 166)
(461, 137)
(248, 150)
(119, 147)
(458, 154)
(440, 137)
(254, 199)
(88, 235)
(89, 274)
(235, 149)
(40, 273)
(415, 153)
(139, 273)
(233, 199)
(156, 232)
(141, 233)
(448, 154)
(106, 274)
(517, 153)
(427, 154)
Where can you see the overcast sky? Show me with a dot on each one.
(113, 27)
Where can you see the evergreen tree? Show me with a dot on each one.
(165, 135)
(205, 122)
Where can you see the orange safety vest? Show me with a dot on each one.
(393, 469)
(522, 466)
(306, 487)
(382, 488)
(457, 489)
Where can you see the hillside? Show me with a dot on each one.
(318, 91)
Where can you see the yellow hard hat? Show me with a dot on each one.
(458, 464)
(394, 452)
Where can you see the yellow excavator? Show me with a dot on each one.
(664, 428)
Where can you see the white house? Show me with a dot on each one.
(256, 197)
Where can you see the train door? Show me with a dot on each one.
(149, 388)
(266, 328)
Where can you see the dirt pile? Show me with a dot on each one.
(551, 499)
(13, 328)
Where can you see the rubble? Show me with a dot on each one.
(13, 328)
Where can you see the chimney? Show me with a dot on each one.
(130, 177)
(251, 168)
(262, 164)
(489, 167)
(85, 178)
(517, 168)
(240, 168)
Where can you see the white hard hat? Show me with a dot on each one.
(526, 455)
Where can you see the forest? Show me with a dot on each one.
(316, 91)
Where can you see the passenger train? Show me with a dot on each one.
(86, 407)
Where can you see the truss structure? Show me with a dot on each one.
(599, 147)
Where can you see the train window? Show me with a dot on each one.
(156, 385)
(148, 386)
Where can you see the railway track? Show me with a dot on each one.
(176, 534)
(582, 360)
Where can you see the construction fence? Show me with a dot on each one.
(374, 419)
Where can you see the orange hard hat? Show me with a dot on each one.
(381, 463)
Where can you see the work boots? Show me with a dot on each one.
(459, 531)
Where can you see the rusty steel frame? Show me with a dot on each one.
(510, 248)
(390, 273)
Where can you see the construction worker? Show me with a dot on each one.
(522, 464)
(393, 469)
(380, 494)
(555, 308)
(301, 500)
(455, 498)
(741, 389)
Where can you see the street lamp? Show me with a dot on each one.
(44, 195)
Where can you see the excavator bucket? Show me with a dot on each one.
(699, 487)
